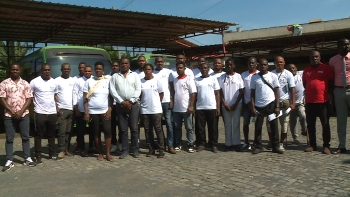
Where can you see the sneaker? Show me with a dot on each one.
(136, 154)
(281, 147)
(171, 151)
(190, 149)
(56, 158)
(277, 150)
(29, 162)
(303, 133)
(200, 148)
(61, 154)
(114, 148)
(214, 149)
(246, 147)
(178, 147)
(150, 153)
(268, 146)
(76, 149)
(9, 164)
(161, 154)
(296, 141)
(123, 155)
(38, 161)
(257, 151)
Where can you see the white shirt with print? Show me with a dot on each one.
(183, 87)
(78, 92)
(65, 92)
(286, 80)
(174, 74)
(150, 100)
(230, 86)
(247, 76)
(299, 89)
(264, 95)
(44, 95)
(205, 92)
(163, 76)
(98, 102)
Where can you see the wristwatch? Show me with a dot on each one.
(277, 106)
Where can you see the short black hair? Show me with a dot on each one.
(178, 63)
(150, 65)
(230, 60)
(88, 66)
(82, 63)
(124, 58)
(341, 41)
(100, 63)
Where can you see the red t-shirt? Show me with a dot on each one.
(316, 80)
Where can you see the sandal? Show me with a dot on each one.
(100, 158)
(110, 159)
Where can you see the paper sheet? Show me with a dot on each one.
(273, 116)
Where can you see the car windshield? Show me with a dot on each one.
(74, 63)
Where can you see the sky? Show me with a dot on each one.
(249, 14)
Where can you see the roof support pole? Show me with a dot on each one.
(223, 43)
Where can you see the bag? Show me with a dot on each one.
(285, 104)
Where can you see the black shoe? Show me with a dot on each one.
(215, 149)
(200, 148)
(150, 153)
(38, 161)
(123, 155)
(277, 150)
(161, 154)
(257, 151)
(56, 158)
(136, 154)
(83, 154)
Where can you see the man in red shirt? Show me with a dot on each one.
(317, 79)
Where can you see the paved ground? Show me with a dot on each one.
(294, 173)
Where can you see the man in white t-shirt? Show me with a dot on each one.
(287, 96)
(299, 105)
(163, 75)
(114, 122)
(264, 102)
(183, 94)
(81, 68)
(78, 102)
(188, 72)
(207, 109)
(247, 113)
(141, 61)
(45, 111)
(231, 93)
(64, 99)
(196, 71)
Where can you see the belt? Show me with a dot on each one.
(343, 87)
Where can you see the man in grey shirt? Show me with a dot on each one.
(125, 87)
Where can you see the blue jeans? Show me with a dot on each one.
(169, 124)
(178, 117)
(11, 125)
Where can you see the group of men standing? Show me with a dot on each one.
(278, 94)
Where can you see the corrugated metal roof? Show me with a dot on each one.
(31, 21)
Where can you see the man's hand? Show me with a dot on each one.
(127, 104)
(217, 112)
(77, 113)
(254, 112)
(292, 106)
(233, 107)
(190, 110)
(108, 114)
(87, 117)
(277, 111)
(227, 107)
(18, 114)
(171, 105)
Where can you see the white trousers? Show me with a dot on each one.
(232, 126)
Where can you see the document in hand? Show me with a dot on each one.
(287, 111)
(273, 116)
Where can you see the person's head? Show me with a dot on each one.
(343, 46)
(148, 70)
(99, 69)
(141, 61)
(159, 63)
(201, 60)
(204, 68)
(263, 65)
(180, 68)
(15, 70)
(279, 63)
(315, 58)
(217, 64)
(124, 65)
(292, 68)
(81, 68)
(115, 67)
(46, 71)
(88, 71)
(65, 69)
(230, 66)
(180, 58)
(252, 64)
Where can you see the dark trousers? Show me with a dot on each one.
(11, 125)
(208, 117)
(265, 111)
(98, 120)
(156, 120)
(125, 118)
(83, 128)
(114, 126)
(320, 110)
(64, 129)
(45, 122)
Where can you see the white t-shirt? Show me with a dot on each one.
(174, 74)
(98, 103)
(263, 93)
(230, 85)
(246, 76)
(217, 75)
(286, 80)
(205, 92)
(197, 73)
(150, 100)
(44, 95)
(299, 89)
(141, 74)
(65, 92)
(183, 89)
(78, 92)
(163, 76)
